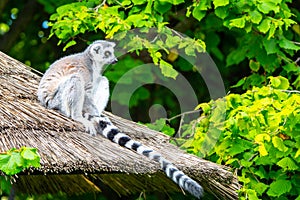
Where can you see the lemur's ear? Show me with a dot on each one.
(112, 44)
(96, 48)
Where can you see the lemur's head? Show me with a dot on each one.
(102, 51)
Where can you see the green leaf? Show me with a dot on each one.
(261, 172)
(267, 6)
(255, 16)
(254, 66)
(252, 194)
(62, 10)
(4, 158)
(272, 31)
(291, 67)
(222, 12)
(167, 69)
(275, 82)
(190, 50)
(29, 153)
(239, 83)
(168, 130)
(198, 13)
(219, 3)
(174, 2)
(148, 9)
(138, 2)
(245, 163)
(260, 188)
(239, 147)
(172, 41)
(262, 137)
(111, 32)
(297, 154)
(271, 46)
(288, 23)
(287, 44)
(239, 22)
(162, 7)
(287, 164)
(278, 143)
(236, 56)
(264, 26)
(126, 3)
(69, 44)
(265, 160)
(11, 164)
(54, 17)
(279, 187)
(14, 161)
(279, 82)
(205, 107)
(262, 150)
(82, 15)
(161, 125)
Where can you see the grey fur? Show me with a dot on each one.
(74, 85)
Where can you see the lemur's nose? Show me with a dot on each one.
(114, 61)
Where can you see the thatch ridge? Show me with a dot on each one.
(66, 149)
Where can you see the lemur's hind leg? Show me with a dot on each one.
(101, 94)
(71, 95)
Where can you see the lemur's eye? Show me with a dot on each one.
(107, 54)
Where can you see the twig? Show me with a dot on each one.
(182, 119)
(176, 33)
(291, 91)
(152, 41)
(297, 43)
(179, 128)
(183, 114)
(99, 6)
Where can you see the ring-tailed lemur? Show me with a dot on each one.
(74, 85)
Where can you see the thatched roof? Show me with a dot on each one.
(69, 155)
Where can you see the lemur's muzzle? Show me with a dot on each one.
(114, 61)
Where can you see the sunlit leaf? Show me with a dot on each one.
(167, 69)
(264, 26)
(219, 3)
(288, 164)
(279, 187)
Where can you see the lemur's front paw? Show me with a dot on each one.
(91, 130)
(89, 125)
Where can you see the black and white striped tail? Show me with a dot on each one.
(111, 132)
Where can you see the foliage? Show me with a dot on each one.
(264, 32)
(258, 136)
(5, 185)
(262, 42)
(76, 18)
(16, 160)
(233, 32)
(162, 126)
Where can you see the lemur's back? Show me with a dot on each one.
(59, 71)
